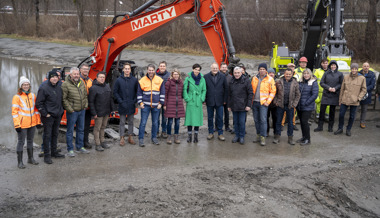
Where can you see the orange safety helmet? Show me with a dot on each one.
(303, 59)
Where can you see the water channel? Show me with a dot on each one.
(11, 69)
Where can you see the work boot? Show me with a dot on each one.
(122, 141)
(195, 137)
(56, 154)
(276, 139)
(348, 132)
(300, 140)
(155, 141)
(164, 135)
(210, 136)
(290, 140)
(176, 139)
(241, 140)
(130, 140)
(141, 143)
(104, 145)
(30, 156)
(87, 145)
(235, 139)
(339, 131)
(169, 140)
(47, 159)
(221, 138)
(19, 160)
(262, 140)
(189, 138)
(99, 148)
(257, 138)
(318, 129)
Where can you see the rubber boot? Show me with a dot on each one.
(19, 160)
(195, 137)
(176, 139)
(30, 157)
(122, 142)
(189, 138)
(290, 140)
(130, 140)
(47, 159)
(169, 139)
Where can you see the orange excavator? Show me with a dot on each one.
(209, 15)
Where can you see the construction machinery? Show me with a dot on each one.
(323, 37)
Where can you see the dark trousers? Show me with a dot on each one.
(272, 111)
(331, 115)
(87, 123)
(226, 117)
(289, 116)
(29, 135)
(190, 129)
(218, 119)
(176, 125)
(304, 117)
(239, 123)
(342, 111)
(51, 130)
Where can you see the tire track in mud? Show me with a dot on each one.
(332, 189)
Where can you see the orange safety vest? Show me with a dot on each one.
(267, 88)
(24, 111)
(87, 83)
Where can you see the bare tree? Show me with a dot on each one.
(80, 13)
(99, 6)
(370, 39)
(46, 7)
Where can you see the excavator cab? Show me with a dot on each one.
(280, 57)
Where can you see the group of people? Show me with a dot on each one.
(159, 92)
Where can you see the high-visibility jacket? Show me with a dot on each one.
(319, 73)
(88, 83)
(24, 111)
(299, 72)
(150, 92)
(267, 88)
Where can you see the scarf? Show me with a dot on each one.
(26, 92)
(197, 79)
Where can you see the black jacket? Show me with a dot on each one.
(100, 99)
(217, 93)
(49, 100)
(125, 92)
(240, 94)
(331, 79)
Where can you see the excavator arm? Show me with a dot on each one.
(209, 15)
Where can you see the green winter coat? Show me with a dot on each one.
(74, 95)
(194, 95)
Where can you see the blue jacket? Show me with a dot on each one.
(309, 92)
(125, 93)
(371, 82)
(217, 90)
(165, 76)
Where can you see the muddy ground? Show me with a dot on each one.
(336, 176)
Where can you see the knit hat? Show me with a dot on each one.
(355, 65)
(271, 70)
(23, 80)
(52, 74)
(264, 65)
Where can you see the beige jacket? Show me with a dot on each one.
(353, 90)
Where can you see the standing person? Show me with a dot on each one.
(309, 89)
(288, 95)
(75, 102)
(264, 90)
(331, 83)
(302, 66)
(216, 98)
(165, 75)
(173, 106)
(224, 70)
(194, 93)
(353, 90)
(370, 82)
(84, 70)
(101, 105)
(319, 74)
(25, 118)
(151, 97)
(125, 92)
(297, 77)
(49, 104)
(272, 109)
(240, 96)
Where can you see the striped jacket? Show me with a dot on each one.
(267, 88)
(24, 111)
(151, 92)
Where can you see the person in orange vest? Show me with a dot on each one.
(264, 90)
(25, 118)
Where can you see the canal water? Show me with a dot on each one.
(11, 69)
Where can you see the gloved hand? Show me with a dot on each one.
(18, 129)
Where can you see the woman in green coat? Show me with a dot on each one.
(194, 93)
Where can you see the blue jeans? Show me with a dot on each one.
(76, 118)
(239, 123)
(144, 117)
(342, 112)
(218, 119)
(164, 121)
(176, 125)
(289, 116)
(260, 116)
